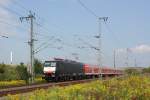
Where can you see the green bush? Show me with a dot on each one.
(2, 68)
(22, 72)
(146, 70)
(38, 67)
(19, 72)
(7, 72)
(131, 71)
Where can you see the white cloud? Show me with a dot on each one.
(6, 18)
(143, 48)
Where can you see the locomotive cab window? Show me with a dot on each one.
(53, 64)
(50, 64)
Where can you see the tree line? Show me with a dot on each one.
(19, 72)
(134, 71)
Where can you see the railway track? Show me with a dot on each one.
(29, 88)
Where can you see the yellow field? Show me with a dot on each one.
(129, 88)
(11, 83)
(4, 84)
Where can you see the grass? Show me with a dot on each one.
(128, 88)
(12, 83)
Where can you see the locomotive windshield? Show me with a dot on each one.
(50, 64)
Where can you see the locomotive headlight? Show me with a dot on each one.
(49, 69)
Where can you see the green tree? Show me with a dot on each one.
(23, 73)
(7, 72)
(146, 70)
(38, 67)
(2, 68)
(2, 71)
(132, 71)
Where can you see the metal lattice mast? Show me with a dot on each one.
(100, 19)
(30, 17)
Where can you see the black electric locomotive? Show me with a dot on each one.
(59, 69)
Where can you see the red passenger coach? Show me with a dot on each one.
(87, 69)
(109, 71)
(96, 70)
(90, 71)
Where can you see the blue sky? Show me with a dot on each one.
(67, 20)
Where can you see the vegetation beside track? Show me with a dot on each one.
(17, 75)
(128, 88)
(14, 83)
(5, 84)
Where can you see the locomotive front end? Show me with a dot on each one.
(49, 70)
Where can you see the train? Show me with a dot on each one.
(63, 70)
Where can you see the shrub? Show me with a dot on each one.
(146, 70)
(38, 67)
(7, 72)
(131, 71)
(22, 72)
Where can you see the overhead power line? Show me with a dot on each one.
(41, 45)
(88, 9)
(16, 2)
(113, 34)
(13, 25)
(20, 5)
(18, 14)
(46, 45)
(41, 27)
(94, 14)
(88, 44)
(11, 10)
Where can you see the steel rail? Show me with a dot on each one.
(29, 88)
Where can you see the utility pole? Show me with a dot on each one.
(100, 20)
(30, 18)
(114, 58)
(135, 63)
(127, 58)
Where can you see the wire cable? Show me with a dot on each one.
(88, 9)
(16, 2)
(13, 25)
(43, 43)
(10, 10)
(112, 32)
